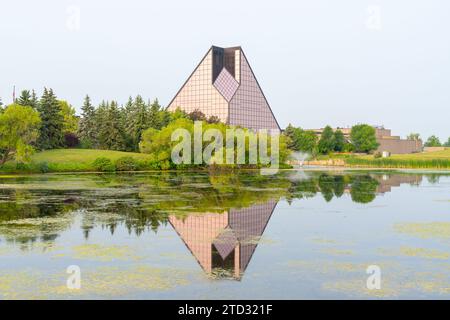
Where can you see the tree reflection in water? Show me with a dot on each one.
(236, 206)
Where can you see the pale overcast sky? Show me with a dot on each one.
(384, 62)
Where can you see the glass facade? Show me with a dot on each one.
(224, 85)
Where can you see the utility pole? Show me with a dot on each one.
(14, 94)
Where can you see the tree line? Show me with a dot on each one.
(41, 123)
(362, 139)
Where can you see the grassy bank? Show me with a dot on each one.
(92, 160)
(77, 160)
(424, 160)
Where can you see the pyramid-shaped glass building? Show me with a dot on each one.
(224, 85)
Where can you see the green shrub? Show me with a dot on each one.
(126, 164)
(43, 167)
(21, 166)
(165, 165)
(103, 164)
(377, 155)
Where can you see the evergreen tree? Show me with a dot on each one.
(154, 115)
(110, 130)
(102, 127)
(116, 134)
(24, 98)
(34, 100)
(137, 121)
(28, 99)
(339, 141)
(51, 129)
(87, 129)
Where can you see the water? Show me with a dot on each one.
(296, 235)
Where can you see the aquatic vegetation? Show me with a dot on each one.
(425, 230)
(443, 163)
(358, 288)
(100, 282)
(338, 252)
(32, 229)
(104, 253)
(120, 229)
(424, 253)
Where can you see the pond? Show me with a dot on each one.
(295, 235)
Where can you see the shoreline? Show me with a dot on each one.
(301, 168)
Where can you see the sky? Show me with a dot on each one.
(318, 62)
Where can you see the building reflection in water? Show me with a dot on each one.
(387, 182)
(223, 244)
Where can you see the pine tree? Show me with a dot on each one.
(102, 125)
(137, 121)
(116, 140)
(154, 114)
(51, 129)
(127, 112)
(87, 130)
(110, 130)
(34, 99)
(24, 98)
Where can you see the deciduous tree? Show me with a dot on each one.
(363, 138)
(19, 128)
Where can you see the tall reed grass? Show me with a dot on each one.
(400, 163)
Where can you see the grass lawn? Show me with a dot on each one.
(72, 160)
(83, 155)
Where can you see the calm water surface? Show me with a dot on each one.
(299, 234)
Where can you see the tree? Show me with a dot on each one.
(34, 99)
(154, 119)
(19, 128)
(300, 140)
(363, 138)
(363, 189)
(137, 120)
(87, 130)
(24, 98)
(447, 144)
(433, 141)
(110, 130)
(413, 136)
(213, 119)
(52, 125)
(339, 141)
(197, 115)
(70, 124)
(28, 99)
(326, 141)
